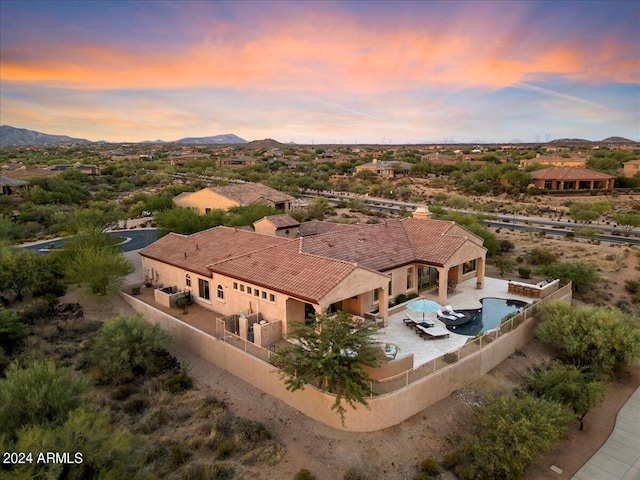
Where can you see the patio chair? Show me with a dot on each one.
(451, 286)
(441, 314)
(408, 321)
(451, 311)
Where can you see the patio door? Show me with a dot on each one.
(427, 277)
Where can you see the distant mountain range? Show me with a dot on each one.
(21, 136)
(12, 136)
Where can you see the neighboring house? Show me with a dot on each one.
(554, 161)
(354, 268)
(278, 225)
(385, 169)
(212, 198)
(631, 168)
(571, 178)
(12, 186)
(84, 168)
(236, 162)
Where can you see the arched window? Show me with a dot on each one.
(187, 280)
(220, 292)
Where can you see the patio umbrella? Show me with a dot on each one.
(423, 305)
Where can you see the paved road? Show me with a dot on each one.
(132, 240)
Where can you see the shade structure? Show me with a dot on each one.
(423, 305)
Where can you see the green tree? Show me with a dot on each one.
(329, 352)
(106, 452)
(503, 265)
(187, 221)
(514, 432)
(598, 339)
(128, 347)
(20, 271)
(628, 220)
(247, 214)
(566, 384)
(12, 330)
(94, 261)
(582, 275)
(38, 394)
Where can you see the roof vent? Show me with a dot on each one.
(185, 254)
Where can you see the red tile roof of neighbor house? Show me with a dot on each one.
(280, 221)
(194, 252)
(285, 269)
(569, 173)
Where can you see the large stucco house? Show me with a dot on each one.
(571, 178)
(355, 268)
(211, 198)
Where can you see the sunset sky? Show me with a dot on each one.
(322, 72)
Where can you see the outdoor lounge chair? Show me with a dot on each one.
(441, 314)
(408, 321)
(432, 333)
(451, 311)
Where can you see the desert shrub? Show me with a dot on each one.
(541, 256)
(177, 455)
(135, 404)
(39, 393)
(524, 272)
(207, 472)
(12, 330)
(429, 466)
(225, 448)
(632, 286)
(400, 299)
(506, 245)
(514, 432)
(596, 338)
(39, 310)
(128, 347)
(304, 474)
(582, 275)
(423, 476)
(451, 460)
(178, 383)
(412, 295)
(355, 474)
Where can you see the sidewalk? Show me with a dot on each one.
(619, 457)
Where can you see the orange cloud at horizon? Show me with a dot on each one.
(333, 56)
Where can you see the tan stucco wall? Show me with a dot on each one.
(385, 410)
(357, 282)
(267, 334)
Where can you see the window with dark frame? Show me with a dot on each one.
(203, 289)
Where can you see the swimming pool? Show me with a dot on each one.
(489, 316)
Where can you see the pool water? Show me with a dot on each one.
(489, 316)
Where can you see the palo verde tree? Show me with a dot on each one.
(566, 384)
(95, 261)
(514, 431)
(596, 339)
(330, 353)
(20, 271)
(128, 347)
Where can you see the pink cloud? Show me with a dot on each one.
(326, 53)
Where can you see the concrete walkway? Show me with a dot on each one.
(619, 457)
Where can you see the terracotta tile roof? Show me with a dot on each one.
(280, 221)
(285, 269)
(392, 244)
(569, 173)
(194, 252)
(246, 193)
(316, 227)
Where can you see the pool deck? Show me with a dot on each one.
(466, 297)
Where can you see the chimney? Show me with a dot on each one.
(422, 213)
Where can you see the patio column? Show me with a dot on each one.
(480, 268)
(383, 303)
(443, 277)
